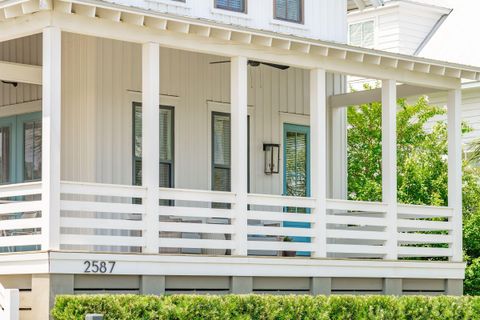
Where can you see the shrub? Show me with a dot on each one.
(265, 307)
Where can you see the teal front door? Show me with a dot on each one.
(21, 148)
(296, 171)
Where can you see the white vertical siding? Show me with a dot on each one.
(101, 78)
(324, 19)
(23, 50)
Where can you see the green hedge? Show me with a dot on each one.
(264, 307)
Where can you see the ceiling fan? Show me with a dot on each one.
(15, 84)
(254, 63)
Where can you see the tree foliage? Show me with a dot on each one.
(422, 167)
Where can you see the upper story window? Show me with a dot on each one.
(289, 10)
(362, 34)
(232, 5)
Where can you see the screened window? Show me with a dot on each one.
(232, 5)
(362, 34)
(289, 10)
(166, 145)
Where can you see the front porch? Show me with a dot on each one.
(151, 149)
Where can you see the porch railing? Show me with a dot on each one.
(112, 218)
(9, 303)
(21, 217)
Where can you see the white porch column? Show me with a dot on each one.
(51, 136)
(455, 169)
(318, 159)
(318, 128)
(151, 142)
(389, 162)
(239, 145)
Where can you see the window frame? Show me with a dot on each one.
(362, 22)
(212, 149)
(244, 11)
(302, 13)
(135, 158)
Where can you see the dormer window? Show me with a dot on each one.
(362, 34)
(232, 5)
(289, 10)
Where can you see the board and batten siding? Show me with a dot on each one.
(101, 78)
(324, 19)
(23, 50)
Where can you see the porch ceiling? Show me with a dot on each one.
(228, 40)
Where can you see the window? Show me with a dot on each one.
(232, 5)
(362, 34)
(289, 10)
(221, 152)
(32, 150)
(166, 145)
(21, 148)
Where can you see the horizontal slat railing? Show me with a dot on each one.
(280, 225)
(102, 217)
(196, 221)
(424, 232)
(21, 217)
(356, 229)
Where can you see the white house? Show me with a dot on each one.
(160, 146)
(436, 29)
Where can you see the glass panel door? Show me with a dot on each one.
(296, 171)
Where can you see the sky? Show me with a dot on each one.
(457, 39)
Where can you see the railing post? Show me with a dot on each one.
(11, 309)
(389, 163)
(239, 143)
(318, 128)
(51, 136)
(455, 170)
(151, 142)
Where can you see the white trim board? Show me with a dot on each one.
(134, 264)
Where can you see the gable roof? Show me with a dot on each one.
(362, 4)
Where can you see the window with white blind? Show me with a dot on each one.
(362, 34)
(221, 151)
(166, 145)
(232, 5)
(289, 10)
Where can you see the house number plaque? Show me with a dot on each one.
(98, 266)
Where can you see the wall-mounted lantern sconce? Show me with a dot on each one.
(272, 158)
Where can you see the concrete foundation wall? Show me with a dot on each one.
(38, 291)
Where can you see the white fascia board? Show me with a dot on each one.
(134, 264)
(24, 263)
